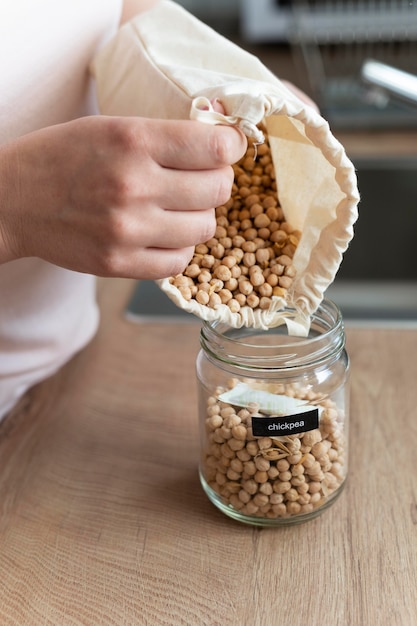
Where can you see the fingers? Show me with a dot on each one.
(181, 165)
(194, 190)
(190, 145)
(169, 229)
(154, 263)
(139, 263)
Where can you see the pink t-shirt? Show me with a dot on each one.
(47, 313)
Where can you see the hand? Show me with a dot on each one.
(111, 196)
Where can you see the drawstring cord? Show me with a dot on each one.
(202, 110)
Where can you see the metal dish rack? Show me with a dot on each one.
(334, 40)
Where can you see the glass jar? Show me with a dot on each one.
(273, 413)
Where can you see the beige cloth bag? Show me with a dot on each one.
(164, 64)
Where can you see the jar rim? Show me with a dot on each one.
(232, 345)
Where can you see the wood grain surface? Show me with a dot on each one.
(103, 520)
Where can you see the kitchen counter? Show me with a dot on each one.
(103, 520)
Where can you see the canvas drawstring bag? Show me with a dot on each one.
(166, 64)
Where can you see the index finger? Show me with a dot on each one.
(192, 145)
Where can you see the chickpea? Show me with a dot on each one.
(185, 292)
(270, 203)
(252, 300)
(236, 271)
(279, 509)
(239, 431)
(241, 299)
(264, 303)
(232, 475)
(272, 279)
(292, 495)
(257, 280)
(214, 300)
(204, 276)
(264, 233)
(266, 488)
(262, 464)
(250, 486)
(234, 305)
(220, 230)
(222, 210)
(261, 221)
(236, 444)
(283, 465)
(293, 508)
(243, 180)
(217, 251)
(265, 290)
(285, 282)
(261, 476)
(255, 210)
(201, 248)
(245, 287)
(216, 285)
(281, 487)
(320, 448)
(252, 199)
(225, 295)
(261, 257)
(236, 465)
(295, 458)
(249, 246)
(192, 270)
(220, 478)
(243, 455)
(279, 236)
(278, 292)
(227, 451)
(250, 508)
(244, 496)
(264, 443)
(231, 285)
(273, 472)
(207, 261)
(214, 421)
(238, 253)
(276, 498)
(223, 273)
(261, 499)
(229, 261)
(238, 241)
(250, 233)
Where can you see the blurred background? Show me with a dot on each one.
(358, 60)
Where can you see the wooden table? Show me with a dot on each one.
(103, 520)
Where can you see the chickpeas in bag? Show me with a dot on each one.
(280, 238)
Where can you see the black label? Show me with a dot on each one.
(285, 424)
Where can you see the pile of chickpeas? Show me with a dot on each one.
(273, 477)
(249, 260)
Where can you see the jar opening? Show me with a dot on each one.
(275, 348)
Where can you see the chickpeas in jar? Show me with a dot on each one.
(273, 413)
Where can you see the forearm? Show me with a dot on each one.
(10, 193)
(133, 7)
